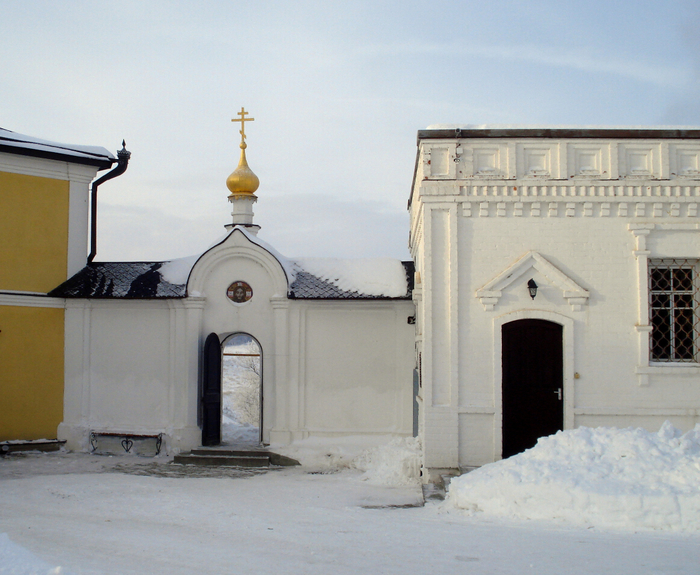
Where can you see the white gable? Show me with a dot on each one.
(492, 291)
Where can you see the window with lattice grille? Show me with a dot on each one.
(674, 310)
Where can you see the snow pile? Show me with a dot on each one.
(16, 560)
(396, 463)
(372, 276)
(324, 454)
(391, 462)
(605, 477)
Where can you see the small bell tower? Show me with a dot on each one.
(242, 184)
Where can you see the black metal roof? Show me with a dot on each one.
(116, 280)
(142, 280)
(621, 133)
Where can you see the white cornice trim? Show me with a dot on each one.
(30, 299)
(45, 168)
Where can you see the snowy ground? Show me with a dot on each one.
(123, 515)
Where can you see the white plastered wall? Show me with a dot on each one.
(129, 367)
(330, 368)
(351, 366)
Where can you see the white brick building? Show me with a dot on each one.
(605, 223)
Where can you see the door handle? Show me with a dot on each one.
(558, 392)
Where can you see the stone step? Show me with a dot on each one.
(241, 456)
(229, 452)
(223, 460)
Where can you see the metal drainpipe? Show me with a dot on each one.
(123, 156)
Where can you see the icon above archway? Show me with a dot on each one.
(239, 292)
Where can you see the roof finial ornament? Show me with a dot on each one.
(242, 182)
(123, 154)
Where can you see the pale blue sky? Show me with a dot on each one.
(338, 91)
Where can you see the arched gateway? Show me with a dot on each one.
(231, 396)
(336, 334)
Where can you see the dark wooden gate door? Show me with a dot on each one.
(211, 391)
(533, 382)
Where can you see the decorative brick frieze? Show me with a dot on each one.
(599, 190)
(578, 207)
(577, 160)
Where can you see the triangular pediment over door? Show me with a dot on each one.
(490, 294)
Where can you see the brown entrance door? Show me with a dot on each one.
(532, 364)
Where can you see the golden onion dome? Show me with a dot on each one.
(242, 180)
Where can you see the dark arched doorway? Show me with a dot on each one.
(532, 399)
(231, 390)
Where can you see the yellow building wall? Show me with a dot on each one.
(33, 232)
(31, 372)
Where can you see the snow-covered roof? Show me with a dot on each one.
(14, 143)
(351, 278)
(336, 279)
(307, 278)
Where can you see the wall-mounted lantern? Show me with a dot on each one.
(532, 288)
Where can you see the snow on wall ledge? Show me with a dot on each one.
(626, 479)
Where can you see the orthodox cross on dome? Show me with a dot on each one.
(243, 120)
(242, 183)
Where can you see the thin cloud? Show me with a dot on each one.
(666, 74)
